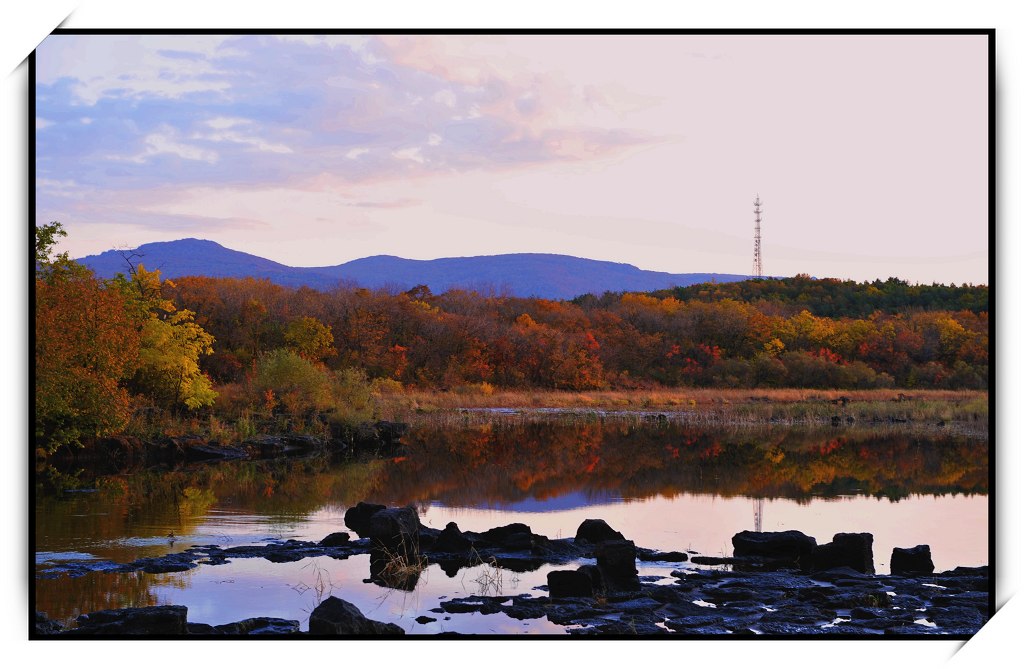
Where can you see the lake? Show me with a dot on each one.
(664, 485)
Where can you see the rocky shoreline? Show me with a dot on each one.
(778, 583)
(378, 438)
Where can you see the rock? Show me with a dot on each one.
(427, 537)
(790, 546)
(595, 530)
(335, 539)
(568, 583)
(617, 562)
(396, 530)
(916, 560)
(44, 625)
(661, 556)
(594, 574)
(272, 446)
(851, 550)
(520, 541)
(499, 535)
(334, 617)
(256, 627)
(358, 517)
(149, 620)
(423, 620)
(452, 540)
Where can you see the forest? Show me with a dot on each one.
(110, 351)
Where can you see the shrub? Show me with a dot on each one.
(351, 397)
(299, 385)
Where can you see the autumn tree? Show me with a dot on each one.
(310, 338)
(86, 344)
(170, 348)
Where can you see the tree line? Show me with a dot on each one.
(625, 341)
(106, 349)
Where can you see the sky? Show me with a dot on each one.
(869, 152)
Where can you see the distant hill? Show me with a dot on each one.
(520, 274)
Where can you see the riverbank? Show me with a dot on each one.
(208, 438)
(776, 583)
(965, 412)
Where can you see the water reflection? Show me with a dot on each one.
(664, 485)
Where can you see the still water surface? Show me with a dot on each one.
(664, 486)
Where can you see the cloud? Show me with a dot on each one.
(257, 113)
(164, 142)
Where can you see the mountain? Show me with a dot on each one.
(521, 274)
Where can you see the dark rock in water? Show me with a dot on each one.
(595, 530)
(790, 546)
(594, 574)
(843, 575)
(358, 517)
(271, 446)
(518, 542)
(736, 561)
(149, 620)
(957, 617)
(427, 536)
(396, 529)
(916, 560)
(252, 627)
(335, 617)
(451, 540)
(499, 535)
(423, 620)
(851, 550)
(617, 562)
(335, 539)
(566, 583)
(645, 555)
(43, 625)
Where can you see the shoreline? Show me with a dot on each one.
(775, 584)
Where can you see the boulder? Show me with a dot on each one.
(335, 539)
(396, 529)
(568, 583)
(334, 617)
(149, 620)
(594, 574)
(851, 550)
(499, 535)
(790, 546)
(44, 625)
(257, 627)
(595, 530)
(520, 541)
(357, 518)
(616, 561)
(452, 540)
(916, 560)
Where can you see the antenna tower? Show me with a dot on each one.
(758, 269)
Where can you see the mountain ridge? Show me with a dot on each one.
(546, 275)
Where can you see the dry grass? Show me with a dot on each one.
(708, 406)
(401, 566)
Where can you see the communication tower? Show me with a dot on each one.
(758, 269)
